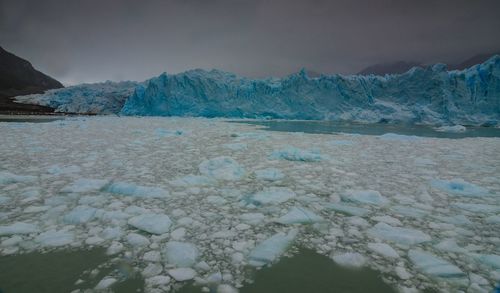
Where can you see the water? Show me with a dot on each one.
(58, 271)
(327, 127)
(29, 118)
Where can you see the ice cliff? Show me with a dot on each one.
(96, 98)
(429, 95)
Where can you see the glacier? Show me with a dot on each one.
(429, 95)
(92, 98)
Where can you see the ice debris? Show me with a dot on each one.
(433, 265)
(270, 249)
(296, 154)
(151, 223)
(130, 189)
(222, 168)
(181, 254)
(405, 236)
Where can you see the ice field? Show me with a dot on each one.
(194, 199)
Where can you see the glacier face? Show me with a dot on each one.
(96, 98)
(429, 95)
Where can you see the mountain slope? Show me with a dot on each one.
(18, 77)
(389, 68)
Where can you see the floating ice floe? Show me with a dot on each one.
(181, 254)
(270, 249)
(80, 215)
(399, 137)
(105, 283)
(53, 238)
(350, 259)
(347, 209)
(239, 146)
(450, 245)
(8, 178)
(182, 274)
(299, 215)
(476, 207)
(130, 189)
(405, 236)
(270, 174)
(61, 170)
(296, 154)
(252, 218)
(222, 168)
(459, 187)
(490, 260)
(151, 223)
(452, 129)
(371, 197)
(162, 132)
(383, 249)
(193, 180)
(272, 195)
(137, 240)
(85, 185)
(433, 265)
(18, 228)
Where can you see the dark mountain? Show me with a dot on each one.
(478, 59)
(389, 68)
(18, 77)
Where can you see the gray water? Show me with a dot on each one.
(332, 127)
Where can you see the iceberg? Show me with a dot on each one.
(272, 195)
(222, 168)
(130, 189)
(299, 215)
(18, 228)
(371, 197)
(430, 95)
(347, 209)
(80, 215)
(350, 259)
(85, 185)
(459, 187)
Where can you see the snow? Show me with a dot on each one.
(350, 259)
(272, 195)
(130, 189)
(222, 168)
(299, 215)
(151, 223)
(405, 236)
(459, 187)
(182, 274)
(296, 154)
(364, 197)
(270, 249)
(181, 254)
(433, 265)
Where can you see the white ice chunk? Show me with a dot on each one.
(450, 245)
(383, 249)
(364, 197)
(130, 189)
(105, 283)
(405, 236)
(85, 185)
(181, 254)
(60, 170)
(452, 129)
(182, 274)
(222, 168)
(193, 180)
(18, 228)
(495, 219)
(137, 240)
(270, 249)
(80, 215)
(157, 281)
(14, 240)
(269, 174)
(296, 154)
(238, 146)
(252, 218)
(272, 195)
(215, 199)
(459, 187)
(114, 248)
(477, 207)
(347, 209)
(55, 238)
(8, 178)
(152, 269)
(388, 220)
(151, 223)
(433, 265)
(491, 260)
(350, 259)
(299, 215)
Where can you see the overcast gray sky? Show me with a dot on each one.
(94, 40)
